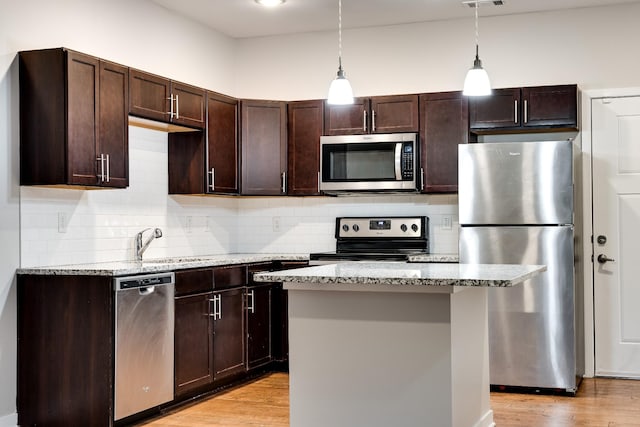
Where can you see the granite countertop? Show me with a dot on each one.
(400, 273)
(123, 268)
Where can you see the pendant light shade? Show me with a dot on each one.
(477, 81)
(340, 92)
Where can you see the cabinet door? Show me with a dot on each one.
(222, 144)
(258, 325)
(264, 148)
(550, 106)
(83, 95)
(304, 131)
(228, 334)
(66, 345)
(499, 110)
(149, 96)
(352, 119)
(444, 125)
(394, 114)
(188, 105)
(193, 342)
(113, 130)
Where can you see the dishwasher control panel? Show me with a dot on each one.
(141, 281)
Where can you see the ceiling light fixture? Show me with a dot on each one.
(477, 81)
(340, 92)
(270, 3)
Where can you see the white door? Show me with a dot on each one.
(616, 229)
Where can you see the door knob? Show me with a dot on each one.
(601, 239)
(602, 258)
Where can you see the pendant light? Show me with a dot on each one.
(477, 81)
(340, 92)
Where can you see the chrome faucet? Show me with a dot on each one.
(140, 247)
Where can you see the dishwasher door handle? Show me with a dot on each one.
(146, 290)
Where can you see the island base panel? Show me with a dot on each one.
(381, 359)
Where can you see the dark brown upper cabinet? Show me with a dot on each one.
(264, 148)
(527, 109)
(443, 126)
(380, 114)
(157, 98)
(73, 120)
(222, 144)
(305, 120)
(206, 162)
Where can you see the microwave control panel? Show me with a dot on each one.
(406, 161)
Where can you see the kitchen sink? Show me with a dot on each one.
(175, 260)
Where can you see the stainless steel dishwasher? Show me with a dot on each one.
(144, 324)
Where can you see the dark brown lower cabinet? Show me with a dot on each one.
(65, 350)
(228, 334)
(193, 342)
(259, 327)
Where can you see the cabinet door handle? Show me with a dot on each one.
(212, 312)
(364, 120)
(108, 161)
(251, 305)
(213, 179)
(525, 112)
(515, 111)
(101, 160)
(219, 307)
(421, 179)
(283, 180)
(170, 106)
(177, 107)
(373, 120)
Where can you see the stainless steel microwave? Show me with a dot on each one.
(379, 162)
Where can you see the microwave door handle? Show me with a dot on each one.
(398, 161)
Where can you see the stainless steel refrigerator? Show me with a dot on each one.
(517, 205)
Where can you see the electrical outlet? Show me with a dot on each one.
(446, 222)
(63, 222)
(276, 223)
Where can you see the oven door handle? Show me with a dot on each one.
(398, 161)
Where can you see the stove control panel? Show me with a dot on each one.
(380, 227)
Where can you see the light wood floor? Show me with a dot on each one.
(265, 402)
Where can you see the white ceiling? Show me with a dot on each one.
(245, 18)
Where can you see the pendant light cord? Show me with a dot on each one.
(477, 33)
(340, 34)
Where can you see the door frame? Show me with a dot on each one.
(586, 97)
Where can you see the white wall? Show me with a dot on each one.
(591, 47)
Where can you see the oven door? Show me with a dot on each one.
(368, 162)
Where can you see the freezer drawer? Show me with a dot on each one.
(516, 183)
(531, 326)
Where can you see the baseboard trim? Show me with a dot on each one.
(10, 420)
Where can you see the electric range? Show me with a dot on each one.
(376, 239)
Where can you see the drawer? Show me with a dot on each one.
(194, 281)
(229, 277)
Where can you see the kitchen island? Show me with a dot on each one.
(391, 343)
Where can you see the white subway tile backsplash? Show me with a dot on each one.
(102, 223)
